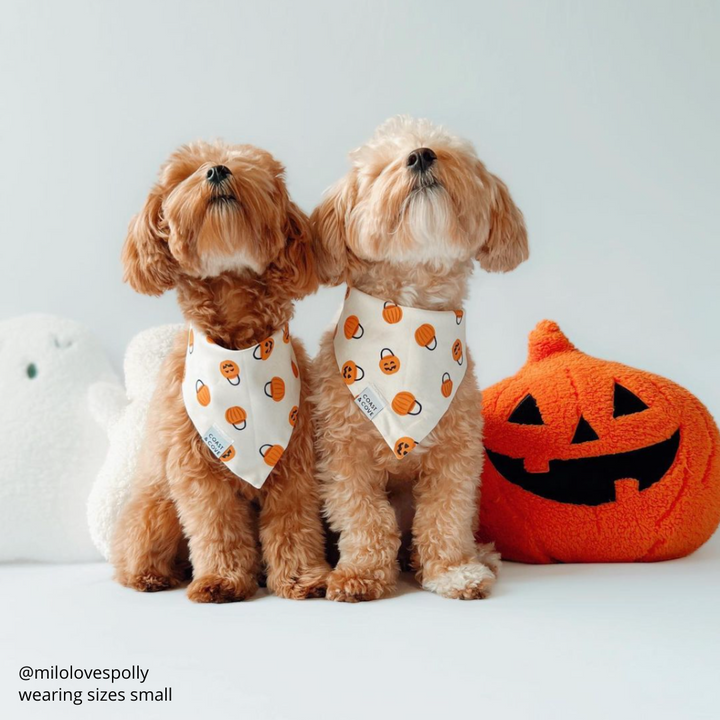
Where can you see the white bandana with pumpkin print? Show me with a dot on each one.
(244, 403)
(403, 365)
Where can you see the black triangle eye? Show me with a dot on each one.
(526, 413)
(626, 403)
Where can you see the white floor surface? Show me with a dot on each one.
(556, 642)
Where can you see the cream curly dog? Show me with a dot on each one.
(405, 225)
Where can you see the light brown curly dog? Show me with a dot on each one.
(220, 228)
(404, 225)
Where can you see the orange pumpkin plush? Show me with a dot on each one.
(593, 461)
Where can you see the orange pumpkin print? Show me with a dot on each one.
(392, 313)
(202, 391)
(389, 362)
(237, 417)
(264, 349)
(275, 389)
(404, 403)
(191, 341)
(459, 316)
(403, 446)
(294, 369)
(457, 352)
(230, 371)
(272, 453)
(293, 416)
(352, 328)
(593, 461)
(425, 336)
(352, 373)
(286, 333)
(446, 386)
(228, 455)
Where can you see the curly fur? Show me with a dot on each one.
(238, 254)
(411, 239)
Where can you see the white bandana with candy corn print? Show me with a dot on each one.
(403, 365)
(244, 403)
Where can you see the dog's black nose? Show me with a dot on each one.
(217, 174)
(421, 159)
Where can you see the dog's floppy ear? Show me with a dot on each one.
(329, 231)
(507, 243)
(148, 264)
(294, 268)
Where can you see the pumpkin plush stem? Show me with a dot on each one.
(547, 339)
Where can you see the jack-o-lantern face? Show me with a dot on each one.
(293, 416)
(647, 465)
(228, 455)
(403, 447)
(230, 371)
(264, 349)
(389, 362)
(457, 352)
(352, 372)
(589, 460)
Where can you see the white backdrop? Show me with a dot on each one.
(602, 117)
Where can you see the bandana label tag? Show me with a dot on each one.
(370, 402)
(217, 441)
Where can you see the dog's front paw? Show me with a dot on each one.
(147, 580)
(348, 585)
(488, 555)
(222, 589)
(303, 584)
(471, 581)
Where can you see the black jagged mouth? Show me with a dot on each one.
(591, 481)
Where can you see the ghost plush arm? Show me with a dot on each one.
(107, 402)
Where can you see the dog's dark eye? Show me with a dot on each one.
(526, 413)
(626, 403)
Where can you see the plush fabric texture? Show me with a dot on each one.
(594, 461)
(51, 448)
(403, 365)
(122, 415)
(243, 403)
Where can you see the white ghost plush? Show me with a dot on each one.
(50, 447)
(123, 414)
